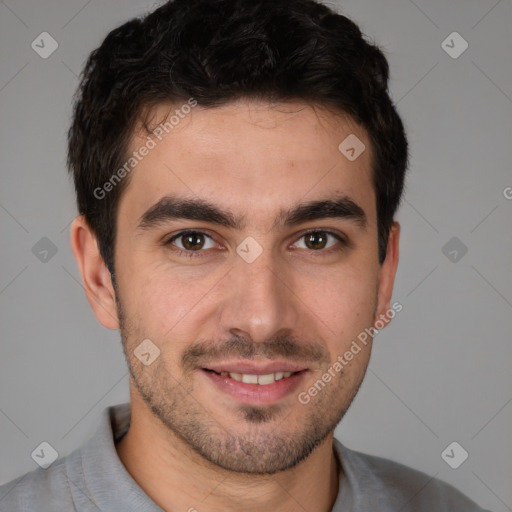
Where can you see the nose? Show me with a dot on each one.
(258, 299)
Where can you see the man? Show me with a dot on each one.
(238, 165)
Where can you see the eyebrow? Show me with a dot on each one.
(172, 208)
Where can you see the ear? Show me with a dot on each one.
(95, 275)
(387, 276)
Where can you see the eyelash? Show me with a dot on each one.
(197, 254)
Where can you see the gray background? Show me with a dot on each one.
(439, 373)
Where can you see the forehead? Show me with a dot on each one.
(252, 156)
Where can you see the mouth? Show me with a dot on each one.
(263, 379)
(251, 386)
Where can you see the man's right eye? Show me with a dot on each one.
(190, 241)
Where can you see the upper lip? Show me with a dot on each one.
(252, 368)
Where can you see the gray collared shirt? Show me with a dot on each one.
(93, 479)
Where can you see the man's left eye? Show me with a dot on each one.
(317, 240)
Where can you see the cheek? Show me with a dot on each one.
(167, 304)
(342, 309)
(343, 298)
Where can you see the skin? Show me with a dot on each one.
(189, 444)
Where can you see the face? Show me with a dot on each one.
(263, 260)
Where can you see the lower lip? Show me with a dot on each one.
(254, 394)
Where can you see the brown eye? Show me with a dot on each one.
(318, 240)
(192, 241)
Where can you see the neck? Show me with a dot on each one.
(177, 478)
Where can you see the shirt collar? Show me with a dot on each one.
(106, 481)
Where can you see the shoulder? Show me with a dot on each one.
(41, 489)
(379, 479)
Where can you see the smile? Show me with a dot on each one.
(261, 379)
(255, 388)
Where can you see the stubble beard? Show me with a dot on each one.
(258, 441)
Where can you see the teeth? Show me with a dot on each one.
(268, 378)
(249, 379)
(263, 380)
